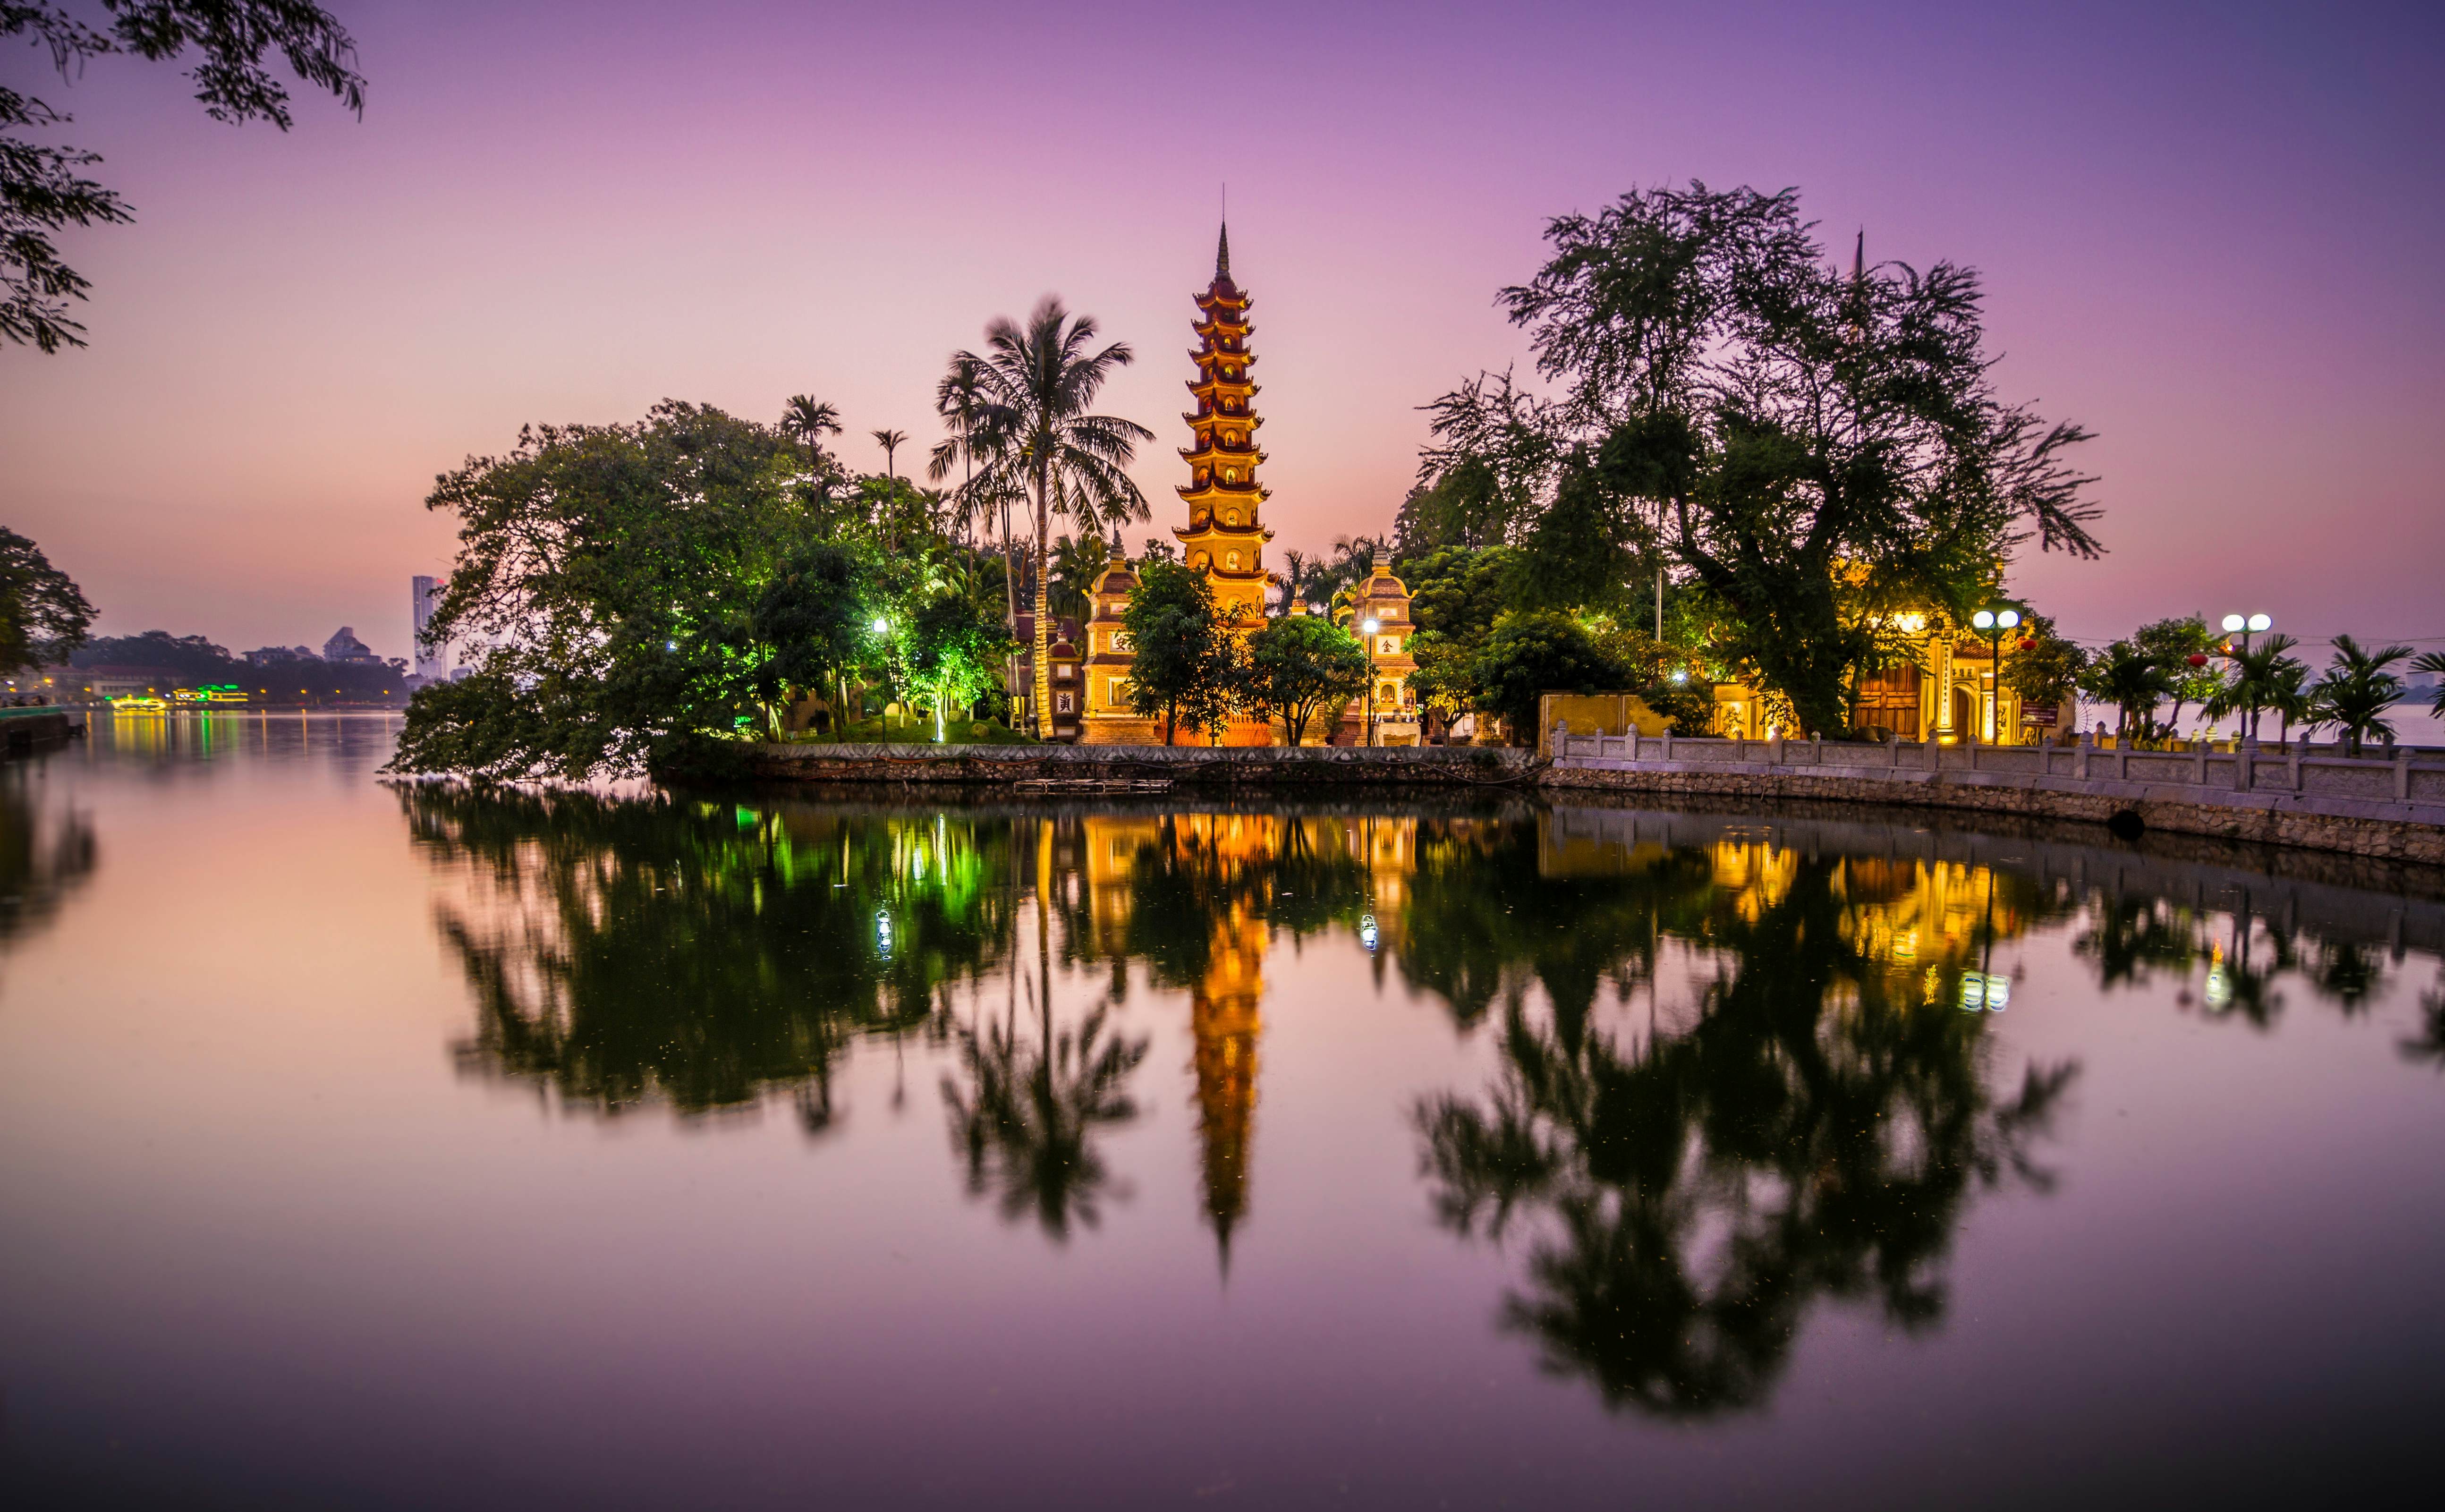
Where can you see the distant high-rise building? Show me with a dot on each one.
(424, 596)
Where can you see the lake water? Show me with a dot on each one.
(372, 1146)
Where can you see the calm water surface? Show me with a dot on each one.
(367, 1147)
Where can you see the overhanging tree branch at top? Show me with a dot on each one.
(43, 189)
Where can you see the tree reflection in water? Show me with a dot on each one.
(1813, 1131)
(1807, 1121)
(46, 854)
(623, 951)
(1026, 1116)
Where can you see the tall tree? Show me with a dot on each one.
(43, 189)
(1041, 379)
(1812, 449)
(890, 440)
(960, 399)
(1184, 652)
(814, 615)
(44, 616)
(807, 421)
(1302, 668)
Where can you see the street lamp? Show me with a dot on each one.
(2246, 627)
(1993, 622)
(1370, 626)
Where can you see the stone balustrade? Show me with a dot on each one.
(2285, 796)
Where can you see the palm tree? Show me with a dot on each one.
(2433, 661)
(1298, 568)
(808, 420)
(2290, 699)
(890, 441)
(1076, 565)
(1038, 379)
(2357, 690)
(960, 399)
(2132, 681)
(2257, 683)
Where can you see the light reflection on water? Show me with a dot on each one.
(1295, 1152)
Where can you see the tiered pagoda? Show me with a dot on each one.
(1225, 537)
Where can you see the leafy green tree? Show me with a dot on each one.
(2042, 668)
(1496, 454)
(1456, 593)
(1533, 652)
(1812, 449)
(815, 617)
(2131, 679)
(2170, 643)
(1300, 668)
(2357, 690)
(44, 616)
(954, 647)
(1184, 653)
(614, 570)
(1038, 380)
(41, 187)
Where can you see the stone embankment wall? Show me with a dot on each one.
(2389, 808)
(35, 729)
(1440, 766)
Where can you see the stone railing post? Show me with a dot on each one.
(1774, 748)
(2245, 764)
(1668, 742)
(1633, 742)
(2080, 755)
(1934, 754)
(1817, 749)
(1894, 751)
(1561, 740)
(2199, 763)
(2402, 774)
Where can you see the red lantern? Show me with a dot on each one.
(2198, 658)
(2028, 644)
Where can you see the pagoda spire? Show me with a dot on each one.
(1225, 537)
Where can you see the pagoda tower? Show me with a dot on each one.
(1226, 536)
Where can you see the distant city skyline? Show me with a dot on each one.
(2193, 225)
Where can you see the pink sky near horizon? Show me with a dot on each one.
(2207, 234)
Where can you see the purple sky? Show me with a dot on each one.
(2211, 233)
